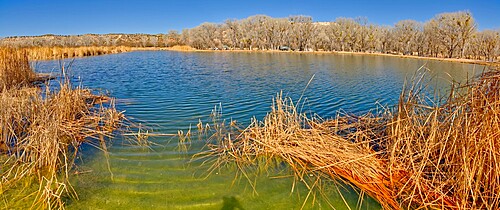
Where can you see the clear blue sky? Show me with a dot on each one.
(36, 17)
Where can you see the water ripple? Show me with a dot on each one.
(171, 91)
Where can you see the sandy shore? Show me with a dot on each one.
(459, 60)
(189, 49)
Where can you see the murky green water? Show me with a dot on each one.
(169, 91)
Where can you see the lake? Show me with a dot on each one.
(171, 91)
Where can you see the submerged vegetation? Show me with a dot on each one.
(416, 155)
(420, 154)
(42, 130)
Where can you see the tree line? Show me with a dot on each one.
(450, 35)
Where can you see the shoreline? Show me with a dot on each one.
(76, 52)
(455, 60)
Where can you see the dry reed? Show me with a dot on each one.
(181, 48)
(42, 130)
(446, 156)
(15, 69)
(417, 155)
(46, 53)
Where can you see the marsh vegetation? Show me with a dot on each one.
(419, 154)
(42, 129)
(181, 93)
(59, 53)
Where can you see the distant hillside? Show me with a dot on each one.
(86, 40)
(447, 35)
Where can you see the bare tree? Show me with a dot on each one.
(432, 38)
(385, 38)
(319, 37)
(454, 30)
(283, 32)
(347, 33)
(302, 28)
(405, 33)
(363, 33)
(185, 37)
(234, 33)
(202, 36)
(487, 43)
(172, 38)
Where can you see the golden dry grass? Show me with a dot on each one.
(446, 156)
(15, 68)
(181, 48)
(41, 132)
(417, 155)
(47, 53)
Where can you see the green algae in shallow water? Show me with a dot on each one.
(158, 183)
(185, 87)
(16, 196)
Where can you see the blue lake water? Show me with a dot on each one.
(171, 91)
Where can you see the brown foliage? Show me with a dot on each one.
(42, 130)
(46, 53)
(15, 68)
(419, 155)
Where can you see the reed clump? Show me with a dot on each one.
(46, 53)
(181, 48)
(447, 156)
(416, 155)
(41, 131)
(15, 69)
